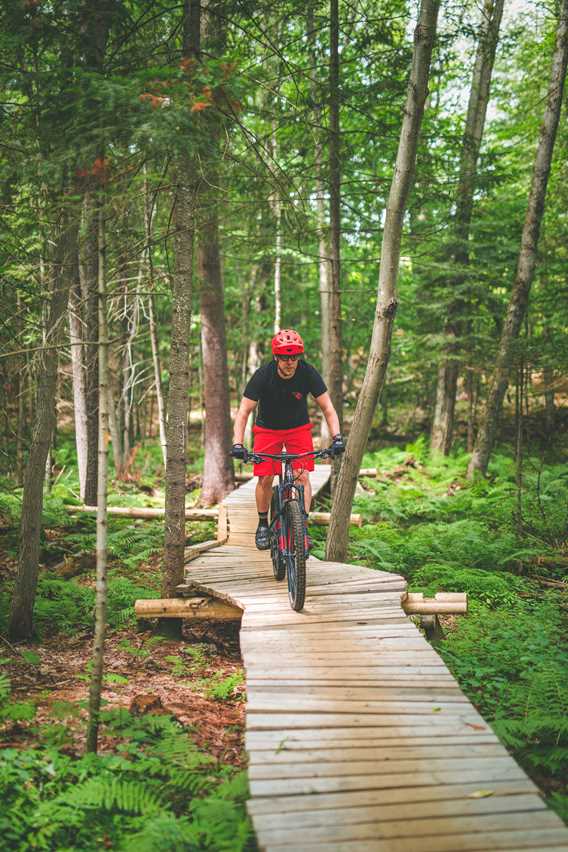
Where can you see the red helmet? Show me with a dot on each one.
(287, 342)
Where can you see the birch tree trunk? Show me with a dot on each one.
(102, 481)
(446, 390)
(528, 251)
(157, 375)
(78, 375)
(21, 613)
(373, 382)
(149, 210)
(21, 396)
(88, 277)
(331, 305)
(276, 205)
(325, 279)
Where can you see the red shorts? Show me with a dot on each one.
(297, 440)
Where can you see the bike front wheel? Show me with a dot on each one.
(278, 562)
(296, 559)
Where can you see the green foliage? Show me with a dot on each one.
(66, 606)
(487, 587)
(162, 782)
(514, 665)
(223, 688)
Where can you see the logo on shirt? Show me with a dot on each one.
(297, 394)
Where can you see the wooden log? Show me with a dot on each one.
(214, 513)
(322, 519)
(190, 609)
(222, 524)
(195, 550)
(146, 512)
(444, 602)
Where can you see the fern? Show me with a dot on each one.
(114, 794)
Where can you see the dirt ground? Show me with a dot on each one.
(143, 673)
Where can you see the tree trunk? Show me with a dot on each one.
(331, 334)
(443, 423)
(527, 255)
(218, 474)
(148, 230)
(179, 384)
(184, 225)
(101, 580)
(21, 397)
(88, 276)
(424, 35)
(324, 251)
(549, 408)
(21, 615)
(79, 385)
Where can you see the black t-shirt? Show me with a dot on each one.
(283, 402)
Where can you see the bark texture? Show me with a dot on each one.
(102, 482)
(218, 475)
(176, 428)
(528, 251)
(388, 272)
(21, 614)
(446, 390)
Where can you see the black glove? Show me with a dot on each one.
(238, 451)
(337, 445)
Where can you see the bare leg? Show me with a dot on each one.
(263, 493)
(304, 479)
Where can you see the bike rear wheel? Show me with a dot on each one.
(296, 559)
(278, 561)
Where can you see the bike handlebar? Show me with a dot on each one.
(284, 457)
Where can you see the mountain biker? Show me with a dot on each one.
(280, 388)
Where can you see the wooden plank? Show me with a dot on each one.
(348, 673)
(337, 769)
(281, 703)
(413, 810)
(372, 753)
(270, 721)
(300, 804)
(421, 657)
(298, 619)
(536, 818)
(538, 839)
(305, 786)
(356, 692)
(407, 688)
(283, 739)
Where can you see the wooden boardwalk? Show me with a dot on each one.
(358, 736)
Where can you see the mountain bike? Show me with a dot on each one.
(288, 527)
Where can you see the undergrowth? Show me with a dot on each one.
(156, 790)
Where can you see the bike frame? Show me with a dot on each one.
(286, 488)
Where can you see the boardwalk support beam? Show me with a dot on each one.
(190, 609)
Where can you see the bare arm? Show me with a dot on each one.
(329, 412)
(241, 419)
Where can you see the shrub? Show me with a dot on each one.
(483, 586)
